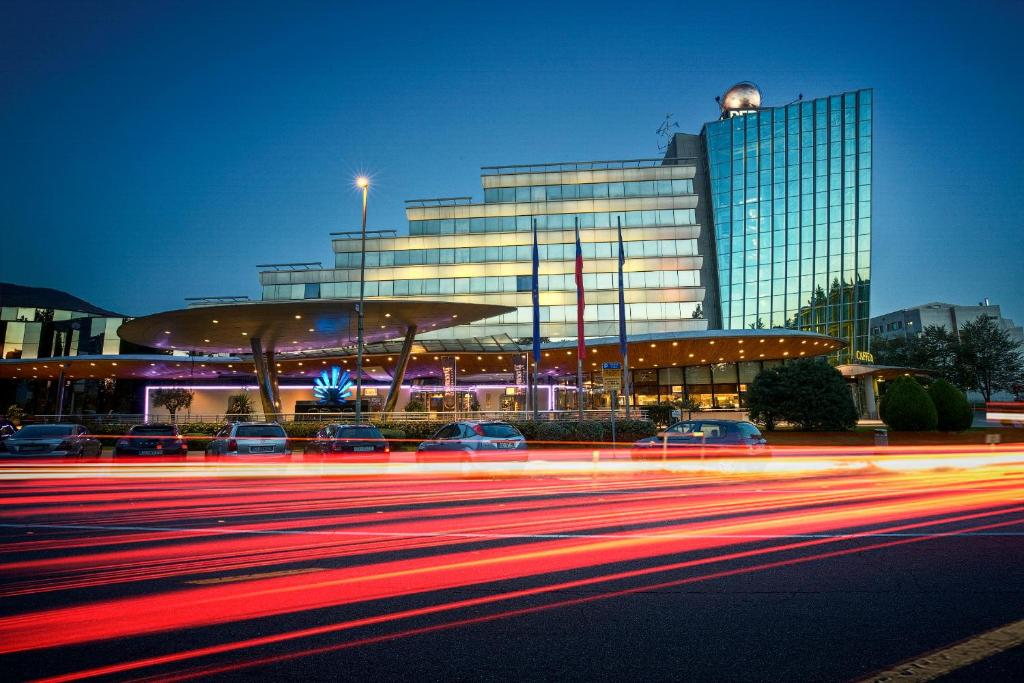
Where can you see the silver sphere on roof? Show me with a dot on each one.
(740, 97)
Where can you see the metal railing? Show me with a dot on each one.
(345, 417)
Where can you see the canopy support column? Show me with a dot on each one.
(403, 363)
(266, 377)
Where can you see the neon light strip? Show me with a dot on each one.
(426, 387)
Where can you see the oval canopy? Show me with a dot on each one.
(296, 325)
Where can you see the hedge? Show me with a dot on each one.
(906, 407)
(951, 407)
(415, 431)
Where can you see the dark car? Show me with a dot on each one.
(53, 439)
(250, 438)
(699, 437)
(356, 440)
(474, 441)
(151, 439)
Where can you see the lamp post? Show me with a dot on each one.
(363, 183)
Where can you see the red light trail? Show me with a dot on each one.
(92, 553)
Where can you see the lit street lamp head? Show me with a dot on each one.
(362, 182)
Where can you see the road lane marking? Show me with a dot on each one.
(254, 577)
(964, 653)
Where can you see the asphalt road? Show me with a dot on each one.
(806, 569)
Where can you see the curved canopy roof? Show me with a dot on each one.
(296, 325)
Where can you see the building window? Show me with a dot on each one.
(312, 291)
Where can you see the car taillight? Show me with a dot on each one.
(232, 445)
(479, 430)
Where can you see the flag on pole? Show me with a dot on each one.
(581, 347)
(622, 294)
(535, 289)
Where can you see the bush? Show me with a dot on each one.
(809, 394)
(906, 407)
(951, 407)
(661, 413)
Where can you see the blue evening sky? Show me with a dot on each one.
(151, 151)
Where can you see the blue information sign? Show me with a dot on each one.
(611, 366)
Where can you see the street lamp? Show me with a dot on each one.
(363, 183)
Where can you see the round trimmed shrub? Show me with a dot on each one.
(906, 407)
(954, 412)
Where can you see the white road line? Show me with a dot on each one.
(964, 653)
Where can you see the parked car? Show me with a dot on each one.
(152, 439)
(53, 439)
(342, 439)
(473, 441)
(695, 437)
(250, 438)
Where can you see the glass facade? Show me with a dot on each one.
(791, 198)
(48, 332)
(461, 251)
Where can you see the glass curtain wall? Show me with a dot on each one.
(791, 198)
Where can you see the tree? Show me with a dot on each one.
(906, 407)
(765, 396)
(758, 325)
(954, 412)
(173, 399)
(987, 359)
(240, 405)
(934, 349)
(809, 394)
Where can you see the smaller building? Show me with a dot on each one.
(910, 322)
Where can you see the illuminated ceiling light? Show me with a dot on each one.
(677, 343)
(153, 365)
(298, 317)
(215, 322)
(387, 315)
(435, 357)
(499, 357)
(389, 358)
(762, 341)
(741, 341)
(167, 331)
(801, 353)
(230, 365)
(712, 341)
(207, 341)
(311, 329)
(245, 334)
(111, 364)
(653, 345)
(479, 358)
(640, 360)
(702, 360)
(785, 353)
(720, 359)
(815, 343)
(804, 341)
(300, 363)
(691, 355)
(92, 364)
(177, 365)
(456, 315)
(546, 354)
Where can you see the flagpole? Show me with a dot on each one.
(535, 290)
(581, 349)
(623, 340)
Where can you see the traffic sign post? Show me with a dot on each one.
(612, 375)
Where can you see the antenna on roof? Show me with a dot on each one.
(665, 131)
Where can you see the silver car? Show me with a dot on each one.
(53, 439)
(250, 438)
(474, 441)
